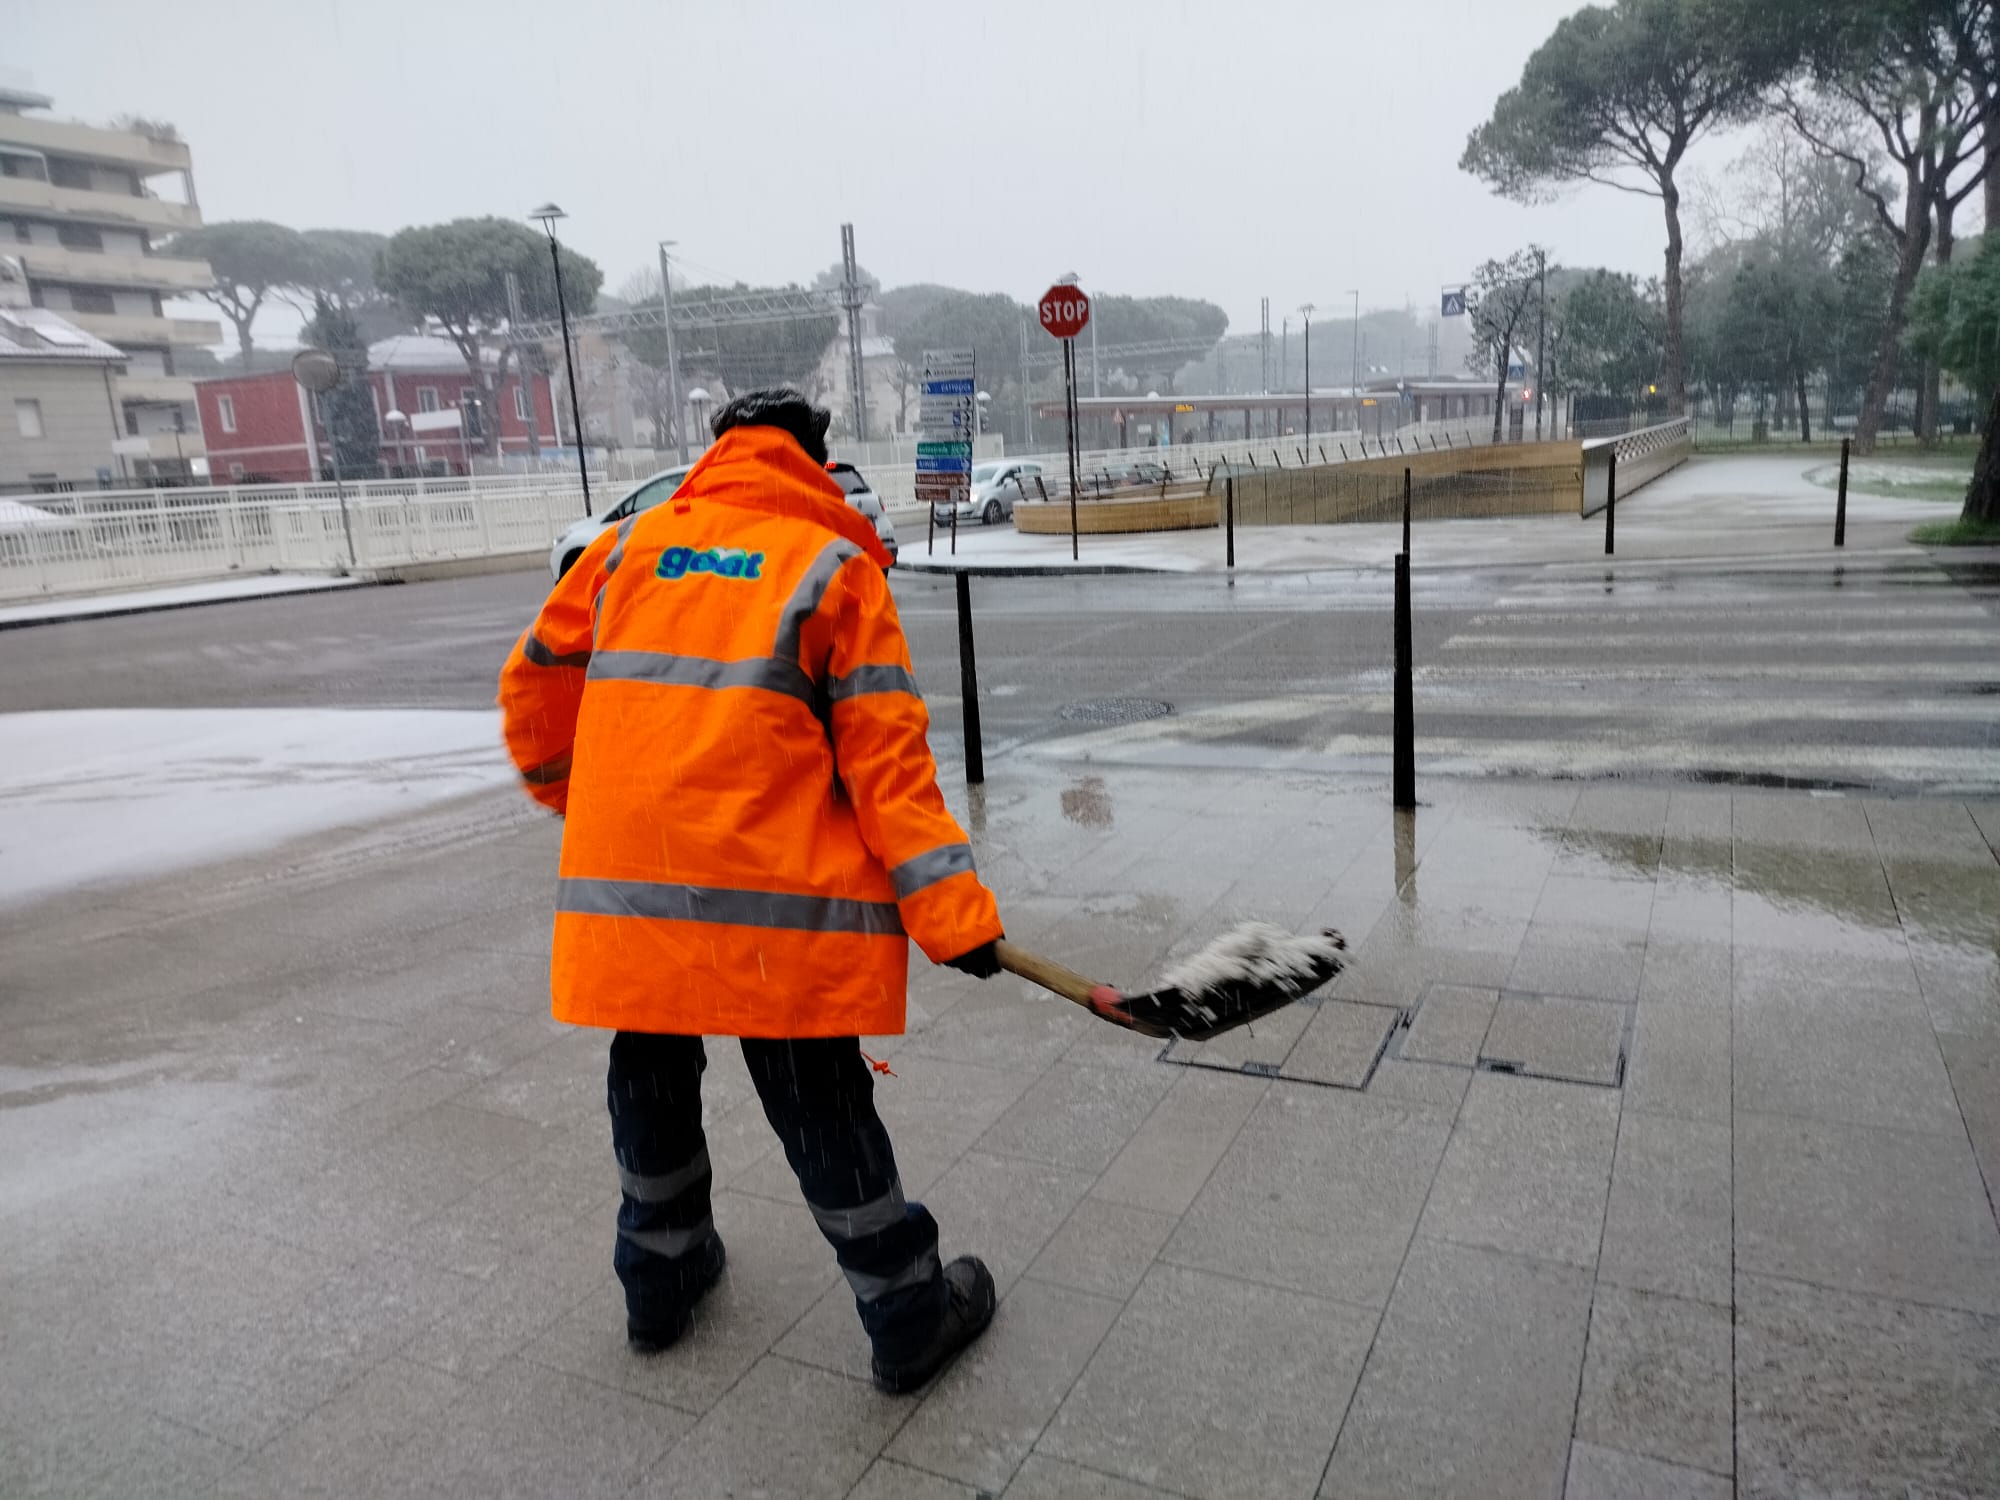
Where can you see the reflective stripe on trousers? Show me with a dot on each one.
(818, 1096)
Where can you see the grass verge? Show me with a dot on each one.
(1958, 533)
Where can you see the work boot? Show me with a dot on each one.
(657, 1338)
(968, 1308)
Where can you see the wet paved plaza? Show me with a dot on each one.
(1649, 1148)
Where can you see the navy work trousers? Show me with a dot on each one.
(819, 1098)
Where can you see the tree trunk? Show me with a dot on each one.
(1670, 198)
(1931, 390)
(1499, 390)
(1982, 496)
(1805, 412)
(1909, 261)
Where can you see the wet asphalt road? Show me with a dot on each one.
(1883, 673)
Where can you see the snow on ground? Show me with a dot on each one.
(137, 601)
(108, 795)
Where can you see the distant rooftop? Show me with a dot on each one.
(37, 333)
(13, 100)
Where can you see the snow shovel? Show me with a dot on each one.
(1243, 975)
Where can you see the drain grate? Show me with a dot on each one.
(1113, 710)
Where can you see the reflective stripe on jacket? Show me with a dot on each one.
(718, 696)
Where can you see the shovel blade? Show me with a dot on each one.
(1222, 1005)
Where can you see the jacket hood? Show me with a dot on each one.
(763, 469)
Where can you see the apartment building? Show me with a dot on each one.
(84, 209)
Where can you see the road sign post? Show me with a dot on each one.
(1065, 312)
(946, 418)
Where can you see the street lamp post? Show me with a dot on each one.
(548, 213)
(698, 398)
(980, 402)
(1355, 378)
(1306, 312)
(673, 362)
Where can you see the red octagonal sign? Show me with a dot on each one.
(1065, 311)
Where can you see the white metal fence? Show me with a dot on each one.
(68, 544)
(80, 543)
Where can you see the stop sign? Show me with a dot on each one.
(1065, 311)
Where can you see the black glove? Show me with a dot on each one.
(982, 962)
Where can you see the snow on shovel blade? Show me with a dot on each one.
(1245, 974)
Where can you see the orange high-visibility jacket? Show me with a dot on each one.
(718, 697)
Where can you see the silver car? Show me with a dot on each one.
(995, 488)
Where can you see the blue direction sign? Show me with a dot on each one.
(939, 464)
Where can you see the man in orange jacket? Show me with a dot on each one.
(718, 698)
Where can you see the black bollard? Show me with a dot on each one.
(1610, 501)
(1404, 792)
(1229, 516)
(1840, 505)
(1406, 512)
(968, 687)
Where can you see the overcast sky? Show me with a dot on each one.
(1291, 148)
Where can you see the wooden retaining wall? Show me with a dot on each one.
(1509, 479)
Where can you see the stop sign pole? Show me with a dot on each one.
(1065, 310)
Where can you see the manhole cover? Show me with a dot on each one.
(1113, 710)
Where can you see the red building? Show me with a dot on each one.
(427, 408)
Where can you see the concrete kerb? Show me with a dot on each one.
(109, 611)
(1033, 570)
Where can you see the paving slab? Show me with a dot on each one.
(784, 1429)
(1078, 1116)
(1791, 1057)
(1657, 1380)
(1597, 963)
(1170, 1156)
(1680, 1063)
(1470, 1388)
(332, 1451)
(888, 1480)
(1104, 1247)
(1319, 1193)
(1974, 1064)
(1606, 1474)
(1340, 1046)
(1433, 1088)
(1581, 1041)
(1449, 1025)
(1241, 1388)
(1527, 1169)
(1045, 1478)
(525, 1431)
(1669, 1223)
(1852, 1395)
(985, 1413)
(1884, 1212)
(1686, 971)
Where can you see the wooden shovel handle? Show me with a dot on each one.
(1050, 975)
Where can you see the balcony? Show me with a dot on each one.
(151, 273)
(120, 148)
(160, 445)
(162, 389)
(28, 195)
(124, 330)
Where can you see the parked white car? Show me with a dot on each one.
(861, 495)
(570, 545)
(995, 488)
